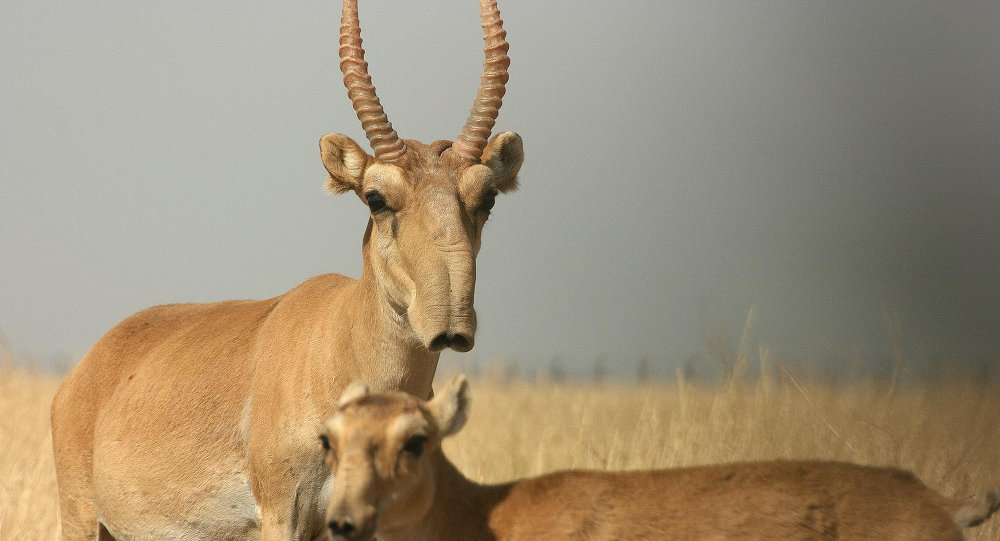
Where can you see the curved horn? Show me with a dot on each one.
(471, 142)
(384, 140)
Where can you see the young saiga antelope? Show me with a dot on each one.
(394, 483)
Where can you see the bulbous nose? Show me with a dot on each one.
(457, 341)
(342, 528)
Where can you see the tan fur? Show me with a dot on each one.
(199, 421)
(387, 492)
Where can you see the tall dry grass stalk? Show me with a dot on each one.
(27, 477)
(947, 432)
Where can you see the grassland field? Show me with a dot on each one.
(946, 431)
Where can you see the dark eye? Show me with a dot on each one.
(489, 199)
(415, 445)
(375, 202)
(324, 441)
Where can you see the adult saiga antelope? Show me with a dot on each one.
(394, 483)
(199, 421)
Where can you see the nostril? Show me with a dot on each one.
(342, 528)
(460, 342)
(440, 342)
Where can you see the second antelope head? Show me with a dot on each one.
(428, 202)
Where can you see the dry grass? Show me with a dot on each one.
(28, 504)
(947, 432)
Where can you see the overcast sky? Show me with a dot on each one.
(823, 162)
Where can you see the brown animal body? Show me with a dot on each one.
(198, 421)
(394, 483)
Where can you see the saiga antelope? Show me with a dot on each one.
(198, 421)
(394, 483)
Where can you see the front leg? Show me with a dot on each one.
(274, 527)
(303, 518)
(293, 493)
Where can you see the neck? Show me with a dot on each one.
(366, 339)
(460, 508)
(385, 346)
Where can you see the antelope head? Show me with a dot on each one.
(379, 448)
(428, 202)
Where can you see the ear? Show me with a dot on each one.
(504, 155)
(345, 161)
(353, 391)
(450, 408)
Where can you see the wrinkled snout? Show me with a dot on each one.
(455, 329)
(442, 310)
(440, 254)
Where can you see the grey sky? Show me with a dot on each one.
(821, 161)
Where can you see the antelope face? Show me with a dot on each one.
(380, 450)
(428, 209)
(428, 202)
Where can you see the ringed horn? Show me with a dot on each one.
(385, 142)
